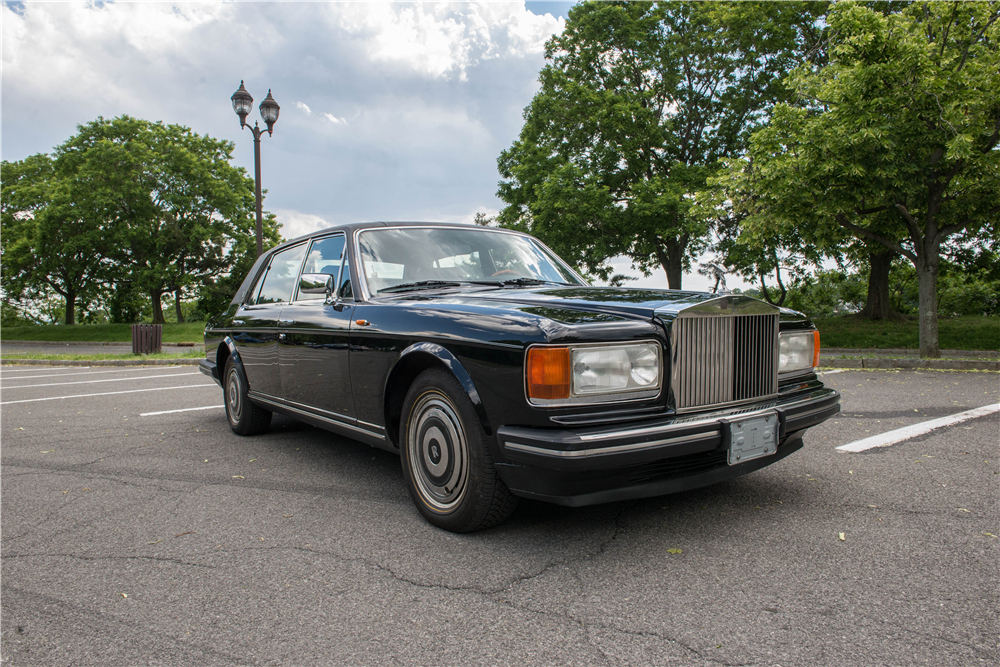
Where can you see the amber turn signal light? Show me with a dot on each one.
(548, 373)
(815, 349)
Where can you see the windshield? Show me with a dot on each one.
(404, 256)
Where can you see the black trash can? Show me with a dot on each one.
(147, 338)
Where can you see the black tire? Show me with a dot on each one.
(443, 445)
(245, 418)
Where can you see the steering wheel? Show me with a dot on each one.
(504, 272)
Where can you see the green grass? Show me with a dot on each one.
(194, 353)
(187, 332)
(957, 333)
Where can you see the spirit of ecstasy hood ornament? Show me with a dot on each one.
(719, 273)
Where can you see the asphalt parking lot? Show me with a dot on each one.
(138, 529)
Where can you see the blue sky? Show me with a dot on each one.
(389, 111)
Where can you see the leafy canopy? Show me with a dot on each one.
(127, 206)
(637, 104)
(896, 143)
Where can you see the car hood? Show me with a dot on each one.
(613, 301)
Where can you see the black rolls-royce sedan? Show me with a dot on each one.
(496, 372)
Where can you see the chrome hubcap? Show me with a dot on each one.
(234, 396)
(438, 452)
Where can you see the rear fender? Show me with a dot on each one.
(228, 350)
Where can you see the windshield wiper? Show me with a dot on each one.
(420, 284)
(530, 281)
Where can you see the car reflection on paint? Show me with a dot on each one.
(496, 372)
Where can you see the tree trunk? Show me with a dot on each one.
(70, 307)
(670, 253)
(927, 275)
(157, 296)
(177, 306)
(766, 293)
(877, 305)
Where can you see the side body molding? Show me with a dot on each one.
(450, 361)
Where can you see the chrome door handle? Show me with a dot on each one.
(283, 322)
(238, 323)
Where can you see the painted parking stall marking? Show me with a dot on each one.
(168, 412)
(128, 379)
(74, 374)
(901, 434)
(111, 393)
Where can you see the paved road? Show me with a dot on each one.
(165, 539)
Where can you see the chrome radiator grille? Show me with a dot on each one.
(721, 359)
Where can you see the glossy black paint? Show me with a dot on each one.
(346, 366)
(313, 354)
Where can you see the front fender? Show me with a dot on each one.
(403, 366)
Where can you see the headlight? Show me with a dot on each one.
(587, 372)
(798, 351)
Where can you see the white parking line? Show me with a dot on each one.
(56, 375)
(168, 412)
(109, 393)
(6, 370)
(839, 370)
(901, 434)
(62, 384)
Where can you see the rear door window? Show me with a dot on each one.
(279, 281)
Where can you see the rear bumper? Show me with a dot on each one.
(211, 369)
(587, 466)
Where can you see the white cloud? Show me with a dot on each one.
(442, 39)
(296, 223)
(74, 48)
(420, 98)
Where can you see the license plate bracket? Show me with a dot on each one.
(753, 437)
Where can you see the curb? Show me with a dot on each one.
(926, 364)
(905, 351)
(100, 362)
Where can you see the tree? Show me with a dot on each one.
(169, 198)
(216, 292)
(638, 103)
(899, 144)
(48, 242)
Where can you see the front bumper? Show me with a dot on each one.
(588, 466)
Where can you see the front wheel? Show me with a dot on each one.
(446, 462)
(245, 418)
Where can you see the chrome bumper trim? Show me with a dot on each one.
(618, 449)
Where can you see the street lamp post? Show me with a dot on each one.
(243, 105)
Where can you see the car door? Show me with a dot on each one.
(313, 348)
(256, 323)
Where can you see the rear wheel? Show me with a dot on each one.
(445, 458)
(245, 418)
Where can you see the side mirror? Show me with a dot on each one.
(317, 283)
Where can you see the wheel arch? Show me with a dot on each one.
(410, 363)
(227, 349)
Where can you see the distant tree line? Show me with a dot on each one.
(123, 213)
(777, 136)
